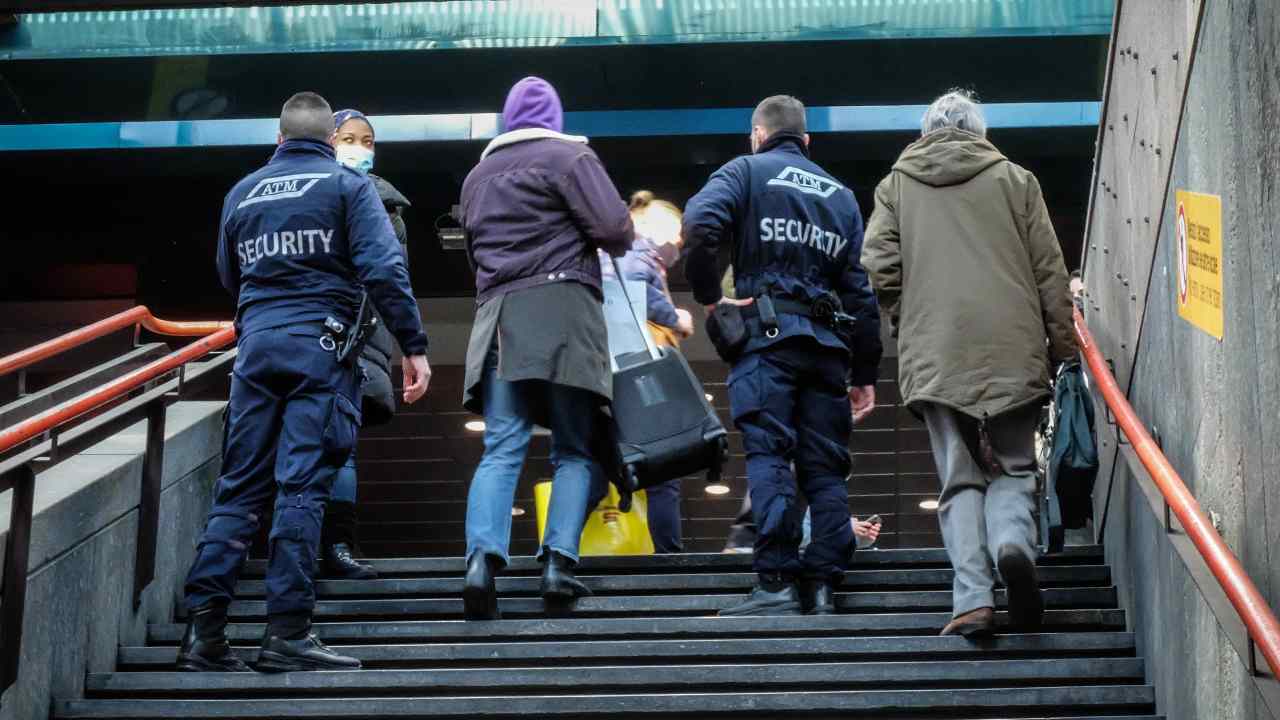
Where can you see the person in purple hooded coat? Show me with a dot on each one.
(535, 211)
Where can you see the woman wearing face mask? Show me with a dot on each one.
(353, 145)
(656, 249)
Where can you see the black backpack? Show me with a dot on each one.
(1073, 465)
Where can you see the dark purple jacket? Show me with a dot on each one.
(535, 210)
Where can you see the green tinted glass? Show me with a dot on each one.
(465, 24)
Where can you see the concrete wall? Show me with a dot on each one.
(79, 606)
(1215, 403)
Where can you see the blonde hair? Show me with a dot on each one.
(642, 200)
(662, 228)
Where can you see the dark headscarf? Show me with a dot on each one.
(342, 116)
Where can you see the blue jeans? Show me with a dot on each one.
(508, 429)
(344, 486)
(664, 517)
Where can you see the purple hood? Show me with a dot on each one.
(533, 103)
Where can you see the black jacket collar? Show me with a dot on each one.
(786, 142)
(303, 147)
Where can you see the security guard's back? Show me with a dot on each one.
(804, 340)
(300, 240)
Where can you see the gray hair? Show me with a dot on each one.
(956, 109)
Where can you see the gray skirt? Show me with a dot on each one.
(553, 332)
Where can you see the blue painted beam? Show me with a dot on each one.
(483, 126)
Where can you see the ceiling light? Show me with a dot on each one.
(711, 398)
(928, 504)
(474, 425)
(717, 488)
(517, 511)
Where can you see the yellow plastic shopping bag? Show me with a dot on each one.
(608, 531)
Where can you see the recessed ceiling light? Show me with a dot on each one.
(717, 489)
(474, 425)
(517, 511)
(929, 505)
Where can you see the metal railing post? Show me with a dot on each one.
(144, 569)
(16, 556)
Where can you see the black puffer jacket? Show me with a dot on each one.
(375, 360)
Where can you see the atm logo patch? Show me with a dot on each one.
(282, 188)
(806, 182)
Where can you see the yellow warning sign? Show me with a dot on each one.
(1198, 234)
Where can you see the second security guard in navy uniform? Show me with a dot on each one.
(804, 342)
(300, 240)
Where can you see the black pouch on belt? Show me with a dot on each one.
(727, 331)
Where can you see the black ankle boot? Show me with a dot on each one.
(337, 544)
(289, 646)
(558, 582)
(204, 646)
(480, 592)
(1026, 603)
(818, 597)
(337, 563)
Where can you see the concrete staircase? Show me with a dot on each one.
(648, 644)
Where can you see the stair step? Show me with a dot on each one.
(976, 703)
(921, 600)
(913, 648)
(643, 628)
(685, 582)
(692, 562)
(550, 680)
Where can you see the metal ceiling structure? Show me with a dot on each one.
(469, 24)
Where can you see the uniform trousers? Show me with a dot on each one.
(790, 402)
(292, 421)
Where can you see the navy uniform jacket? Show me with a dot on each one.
(794, 229)
(299, 238)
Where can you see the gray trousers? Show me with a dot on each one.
(981, 512)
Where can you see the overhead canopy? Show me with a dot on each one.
(466, 24)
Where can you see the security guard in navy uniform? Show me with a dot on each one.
(803, 339)
(302, 241)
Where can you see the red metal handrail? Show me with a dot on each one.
(139, 315)
(23, 431)
(1252, 608)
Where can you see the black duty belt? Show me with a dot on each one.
(780, 305)
(827, 312)
(346, 340)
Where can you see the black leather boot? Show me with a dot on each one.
(289, 646)
(1026, 604)
(480, 592)
(204, 646)
(337, 563)
(771, 596)
(337, 545)
(818, 598)
(558, 582)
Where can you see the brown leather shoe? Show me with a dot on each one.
(973, 624)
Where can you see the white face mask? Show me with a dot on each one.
(356, 157)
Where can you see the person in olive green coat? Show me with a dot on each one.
(967, 267)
